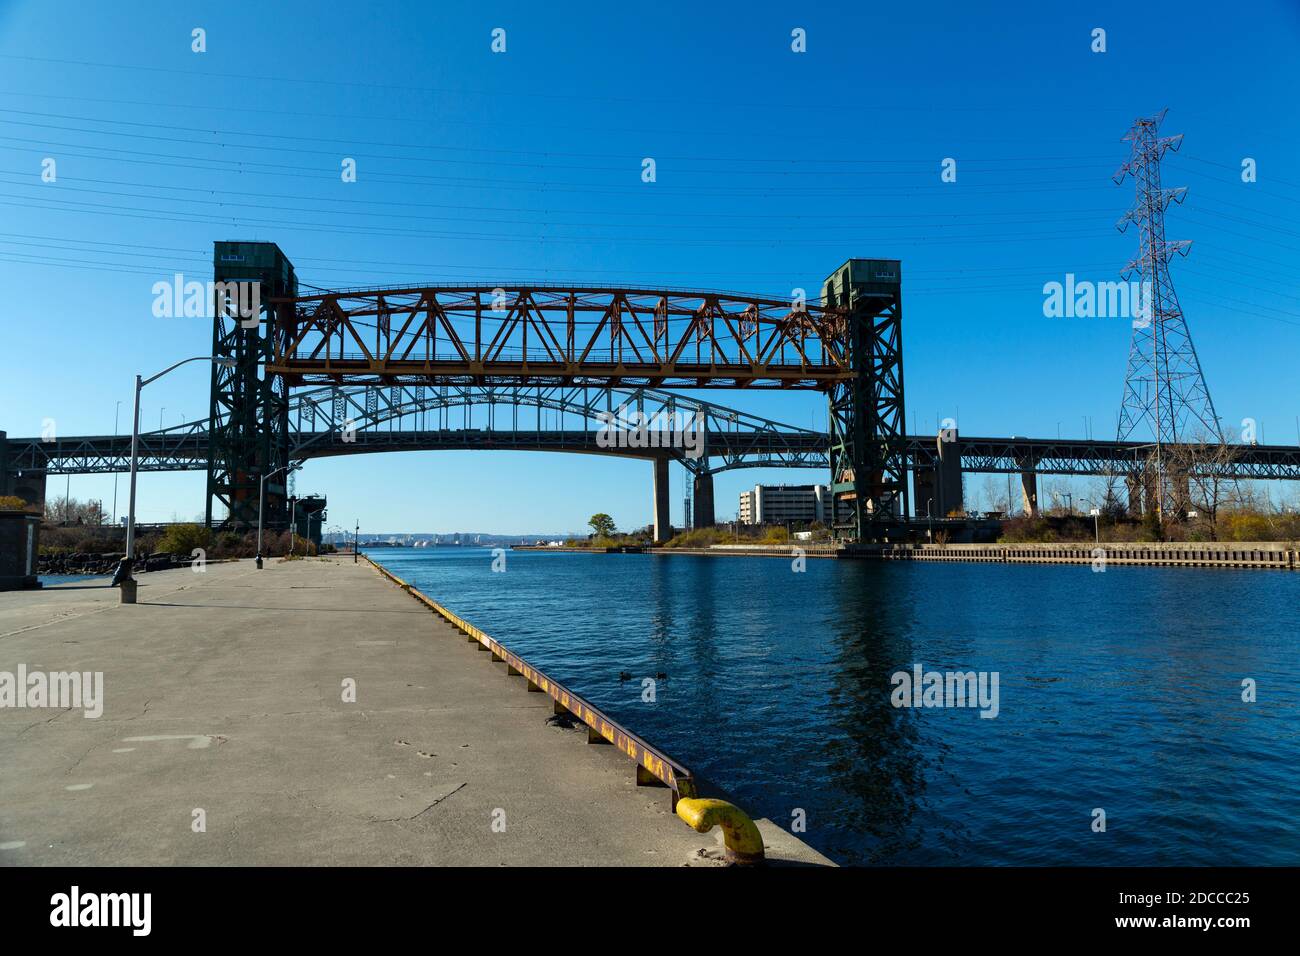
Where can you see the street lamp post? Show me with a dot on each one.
(1096, 518)
(124, 573)
(130, 495)
(929, 519)
(116, 414)
(356, 543)
(261, 502)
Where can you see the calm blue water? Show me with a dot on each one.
(1119, 690)
(51, 580)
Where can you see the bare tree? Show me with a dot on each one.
(995, 495)
(1105, 491)
(1200, 471)
(70, 511)
(1053, 497)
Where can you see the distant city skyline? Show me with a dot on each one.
(465, 536)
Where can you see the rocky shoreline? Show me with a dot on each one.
(81, 562)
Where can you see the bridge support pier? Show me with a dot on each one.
(938, 486)
(1133, 484)
(1143, 492)
(663, 516)
(703, 516)
(29, 486)
(1028, 487)
(948, 490)
(1029, 493)
(922, 488)
(1182, 491)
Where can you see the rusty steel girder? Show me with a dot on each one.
(571, 335)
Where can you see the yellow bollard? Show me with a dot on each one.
(743, 841)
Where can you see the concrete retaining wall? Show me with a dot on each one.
(1232, 554)
(1235, 554)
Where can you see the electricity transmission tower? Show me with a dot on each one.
(1163, 386)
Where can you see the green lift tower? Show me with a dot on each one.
(249, 413)
(868, 443)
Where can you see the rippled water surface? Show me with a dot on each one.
(1120, 691)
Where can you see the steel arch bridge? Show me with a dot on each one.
(338, 420)
(396, 419)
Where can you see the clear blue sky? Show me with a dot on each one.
(773, 168)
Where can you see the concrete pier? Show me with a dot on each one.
(937, 490)
(1028, 486)
(662, 506)
(704, 516)
(227, 737)
(949, 498)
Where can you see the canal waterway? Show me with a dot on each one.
(1119, 692)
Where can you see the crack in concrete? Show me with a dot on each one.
(62, 619)
(77, 762)
(415, 816)
(48, 720)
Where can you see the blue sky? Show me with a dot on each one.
(772, 168)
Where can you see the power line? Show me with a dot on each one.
(350, 143)
(260, 168)
(25, 182)
(604, 129)
(787, 220)
(918, 287)
(585, 97)
(139, 212)
(1237, 170)
(68, 244)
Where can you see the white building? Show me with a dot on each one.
(778, 504)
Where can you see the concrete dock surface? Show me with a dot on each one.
(225, 737)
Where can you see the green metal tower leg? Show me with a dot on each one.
(868, 444)
(249, 409)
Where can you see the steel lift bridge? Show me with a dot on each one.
(534, 367)
(537, 338)
(348, 371)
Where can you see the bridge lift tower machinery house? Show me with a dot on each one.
(849, 346)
